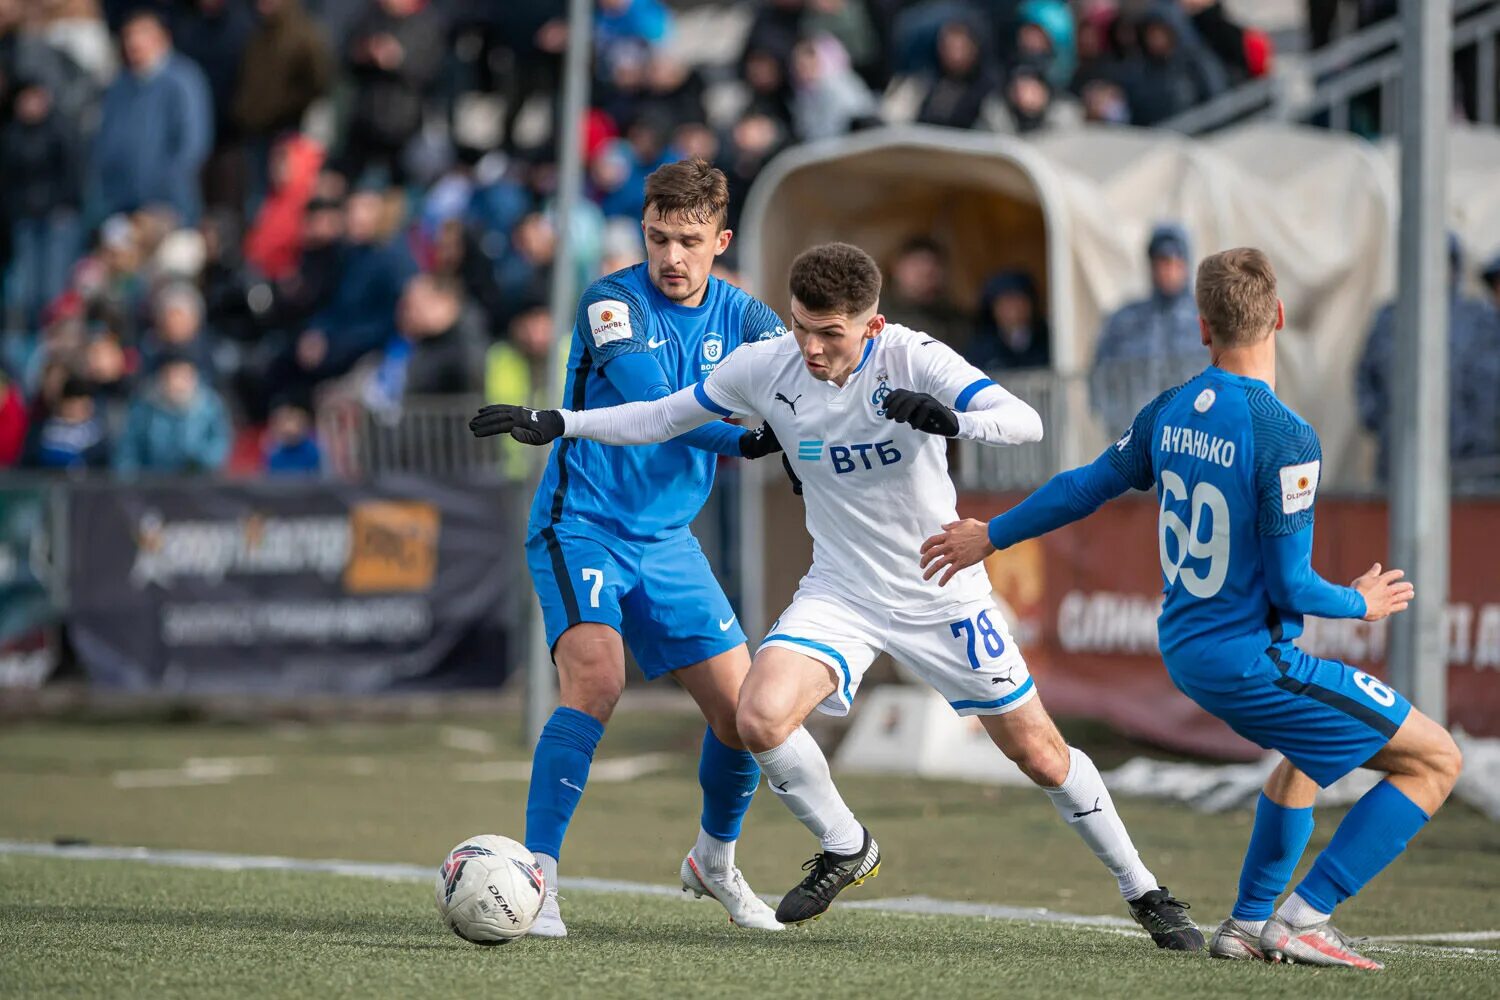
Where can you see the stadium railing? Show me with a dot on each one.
(1325, 84)
(428, 435)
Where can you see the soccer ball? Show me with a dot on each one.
(490, 890)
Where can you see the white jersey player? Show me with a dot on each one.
(864, 410)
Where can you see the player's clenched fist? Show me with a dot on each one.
(961, 545)
(1384, 593)
(522, 423)
(922, 411)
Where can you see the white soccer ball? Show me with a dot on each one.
(490, 890)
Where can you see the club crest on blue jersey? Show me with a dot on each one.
(713, 351)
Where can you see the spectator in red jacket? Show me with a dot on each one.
(274, 243)
(12, 422)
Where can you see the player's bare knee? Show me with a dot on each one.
(726, 729)
(1446, 762)
(1042, 760)
(760, 727)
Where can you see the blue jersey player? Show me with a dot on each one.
(1236, 475)
(609, 546)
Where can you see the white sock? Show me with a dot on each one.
(1299, 912)
(1249, 926)
(798, 773)
(714, 854)
(549, 870)
(1084, 804)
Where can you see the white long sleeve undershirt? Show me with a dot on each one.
(639, 423)
(994, 417)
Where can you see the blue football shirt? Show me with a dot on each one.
(1230, 464)
(643, 492)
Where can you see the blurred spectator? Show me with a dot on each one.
(918, 295)
(767, 74)
(291, 447)
(515, 369)
(177, 329)
(274, 243)
(850, 22)
(287, 66)
(534, 34)
(360, 314)
(1045, 37)
(1491, 277)
(1473, 375)
(69, 435)
(1104, 100)
(40, 183)
(753, 142)
(75, 30)
(674, 90)
(830, 98)
(155, 129)
(524, 273)
(1150, 344)
(395, 55)
(967, 76)
(213, 34)
(1012, 332)
(1174, 73)
(1030, 103)
(1244, 52)
(437, 350)
(289, 301)
(617, 21)
(177, 424)
(107, 368)
(12, 421)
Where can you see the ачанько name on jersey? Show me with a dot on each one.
(1197, 444)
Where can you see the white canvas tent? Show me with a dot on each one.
(1075, 208)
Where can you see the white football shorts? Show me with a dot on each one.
(969, 658)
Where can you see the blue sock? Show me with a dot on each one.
(559, 771)
(1276, 845)
(729, 779)
(1371, 836)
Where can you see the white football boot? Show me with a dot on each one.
(1233, 941)
(549, 922)
(746, 909)
(1318, 943)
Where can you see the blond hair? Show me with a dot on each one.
(1236, 293)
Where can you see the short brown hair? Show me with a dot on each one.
(835, 278)
(693, 189)
(1236, 292)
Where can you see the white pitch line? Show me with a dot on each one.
(905, 906)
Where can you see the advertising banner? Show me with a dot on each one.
(28, 645)
(1085, 599)
(296, 587)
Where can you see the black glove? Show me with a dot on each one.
(759, 443)
(922, 411)
(526, 425)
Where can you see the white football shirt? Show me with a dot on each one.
(875, 489)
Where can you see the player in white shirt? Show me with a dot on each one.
(864, 409)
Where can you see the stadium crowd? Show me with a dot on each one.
(218, 214)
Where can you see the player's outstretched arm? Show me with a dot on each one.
(1293, 584)
(629, 423)
(1066, 497)
(639, 378)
